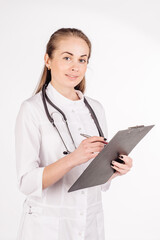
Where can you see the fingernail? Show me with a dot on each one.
(113, 162)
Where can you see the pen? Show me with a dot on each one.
(87, 136)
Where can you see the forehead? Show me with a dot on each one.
(74, 45)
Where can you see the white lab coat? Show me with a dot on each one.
(53, 213)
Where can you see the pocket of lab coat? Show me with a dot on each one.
(100, 225)
(38, 226)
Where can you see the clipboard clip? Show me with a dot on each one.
(140, 126)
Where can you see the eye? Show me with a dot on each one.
(66, 58)
(82, 60)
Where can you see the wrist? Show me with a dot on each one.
(70, 160)
(113, 176)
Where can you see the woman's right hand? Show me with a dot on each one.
(89, 148)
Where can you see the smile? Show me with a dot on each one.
(71, 76)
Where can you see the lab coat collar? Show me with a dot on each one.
(62, 101)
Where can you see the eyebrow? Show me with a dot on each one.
(73, 54)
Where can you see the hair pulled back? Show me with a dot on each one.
(52, 45)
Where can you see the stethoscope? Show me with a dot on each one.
(46, 98)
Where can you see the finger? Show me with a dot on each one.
(120, 165)
(96, 139)
(96, 144)
(122, 157)
(125, 158)
(121, 171)
(128, 161)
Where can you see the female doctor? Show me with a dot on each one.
(50, 152)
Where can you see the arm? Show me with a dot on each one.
(32, 178)
(55, 171)
(27, 144)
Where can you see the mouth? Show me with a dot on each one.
(71, 76)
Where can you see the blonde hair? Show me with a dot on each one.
(52, 46)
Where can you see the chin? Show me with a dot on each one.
(73, 84)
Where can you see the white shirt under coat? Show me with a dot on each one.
(53, 213)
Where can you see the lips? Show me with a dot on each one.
(71, 76)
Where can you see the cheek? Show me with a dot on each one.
(63, 67)
(59, 70)
(83, 68)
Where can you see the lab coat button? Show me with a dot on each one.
(81, 213)
(79, 129)
(73, 111)
(82, 192)
(30, 211)
(80, 234)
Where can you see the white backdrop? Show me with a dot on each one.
(123, 74)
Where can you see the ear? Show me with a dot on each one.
(47, 61)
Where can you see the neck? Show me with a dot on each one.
(69, 93)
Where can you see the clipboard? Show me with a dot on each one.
(99, 170)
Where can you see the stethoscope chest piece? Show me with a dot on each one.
(66, 152)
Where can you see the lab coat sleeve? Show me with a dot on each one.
(105, 186)
(27, 145)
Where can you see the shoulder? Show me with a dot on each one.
(32, 101)
(31, 107)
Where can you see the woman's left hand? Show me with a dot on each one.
(122, 168)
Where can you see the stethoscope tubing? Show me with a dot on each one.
(46, 98)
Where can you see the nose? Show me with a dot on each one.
(75, 67)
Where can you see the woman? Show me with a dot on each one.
(45, 170)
